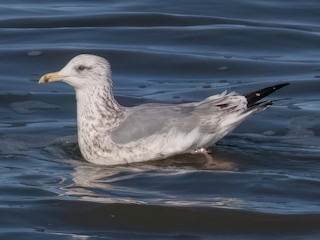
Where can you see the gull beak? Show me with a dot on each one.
(50, 77)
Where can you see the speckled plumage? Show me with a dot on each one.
(111, 134)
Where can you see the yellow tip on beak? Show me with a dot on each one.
(50, 77)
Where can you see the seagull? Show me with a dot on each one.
(112, 134)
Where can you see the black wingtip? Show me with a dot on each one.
(254, 97)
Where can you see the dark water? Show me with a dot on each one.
(171, 51)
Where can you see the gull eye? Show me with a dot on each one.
(81, 68)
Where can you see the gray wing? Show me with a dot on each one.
(147, 120)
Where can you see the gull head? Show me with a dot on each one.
(82, 72)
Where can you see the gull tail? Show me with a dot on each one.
(254, 97)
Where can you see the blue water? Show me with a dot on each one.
(168, 51)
